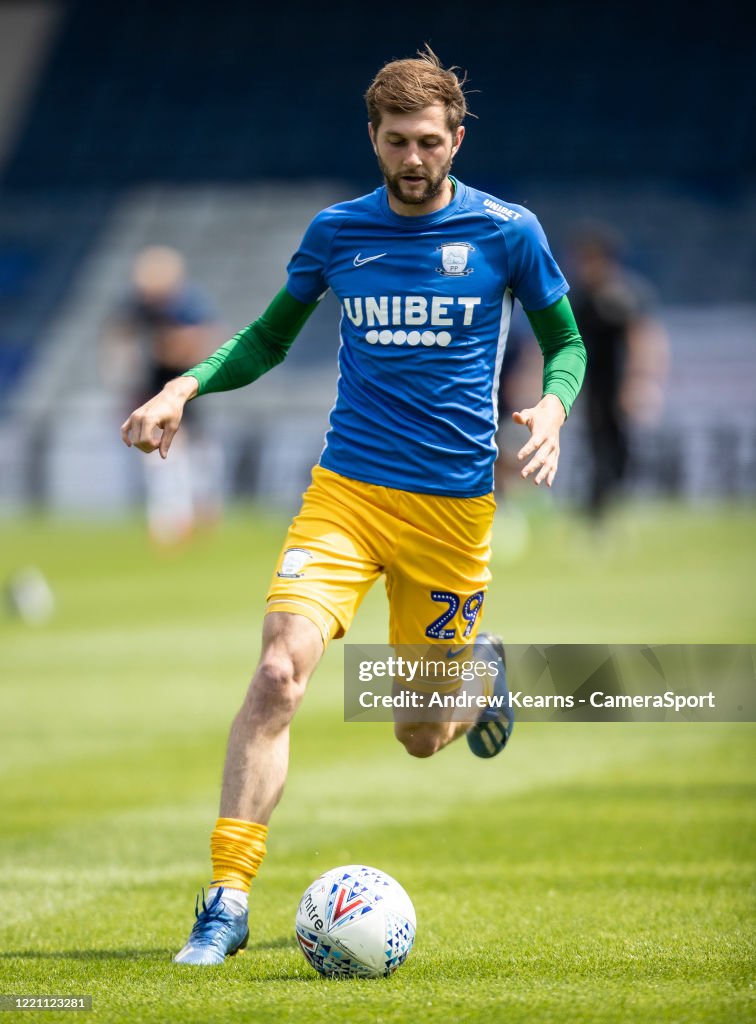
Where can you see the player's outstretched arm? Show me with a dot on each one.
(153, 425)
(244, 358)
(256, 349)
(544, 421)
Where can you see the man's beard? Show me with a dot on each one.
(432, 188)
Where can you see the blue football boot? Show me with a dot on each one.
(494, 726)
(218, 932)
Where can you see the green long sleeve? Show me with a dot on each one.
(564, 356)
(256, 349)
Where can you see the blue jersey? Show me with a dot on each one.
(425, 308)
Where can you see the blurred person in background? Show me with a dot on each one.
(162, 327)
(628, 356)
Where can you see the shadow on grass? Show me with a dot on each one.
(89, 954)
(276, 975)
(282, 942)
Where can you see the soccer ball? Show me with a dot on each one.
(355, 922)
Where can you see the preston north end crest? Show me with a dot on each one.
(293, 563)
(454, 256)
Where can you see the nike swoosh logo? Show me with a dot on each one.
(358, 262)
(453, 654)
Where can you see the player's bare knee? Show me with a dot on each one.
(276, 689)
(419, 740)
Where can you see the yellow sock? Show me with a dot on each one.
(237, 849)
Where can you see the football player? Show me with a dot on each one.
(426, 269)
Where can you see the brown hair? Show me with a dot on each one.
(405, 86)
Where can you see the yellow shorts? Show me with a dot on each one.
(434, 552)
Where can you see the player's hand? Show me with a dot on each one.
(153, 425)
(544, 422)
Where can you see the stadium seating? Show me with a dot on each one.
(43, 237)
(169, 92)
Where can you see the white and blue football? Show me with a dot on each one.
(355, 921)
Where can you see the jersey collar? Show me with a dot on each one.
(410, 223)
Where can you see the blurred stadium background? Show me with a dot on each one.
(221, 136)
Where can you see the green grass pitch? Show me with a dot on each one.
(593, 873)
